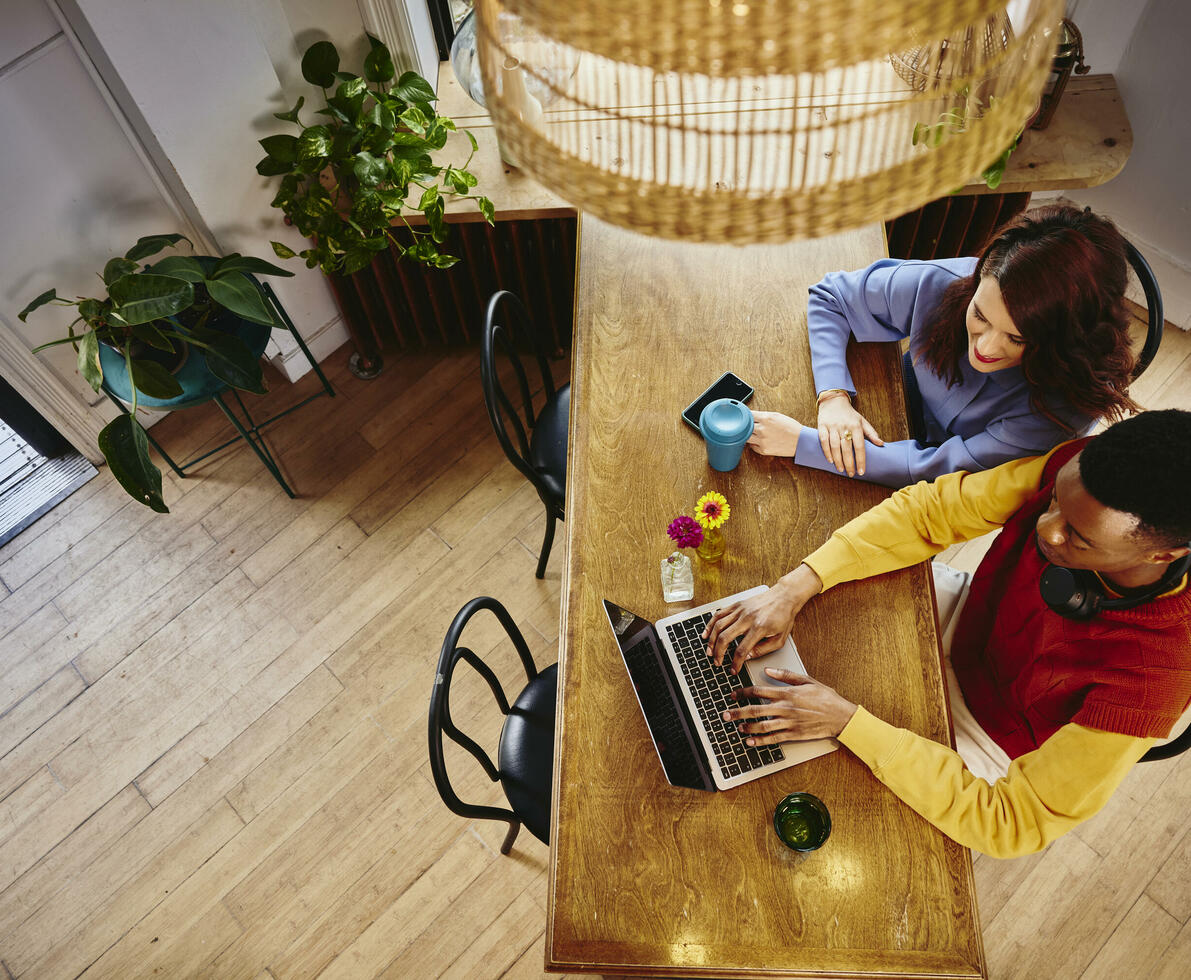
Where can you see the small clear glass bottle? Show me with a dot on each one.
(678, 579)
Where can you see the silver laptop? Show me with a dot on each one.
(683, 694)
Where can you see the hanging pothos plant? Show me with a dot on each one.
(345, 181)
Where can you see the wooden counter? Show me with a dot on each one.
(649, 879)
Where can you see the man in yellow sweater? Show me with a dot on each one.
(1072, 652)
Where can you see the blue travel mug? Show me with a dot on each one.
(726, 425)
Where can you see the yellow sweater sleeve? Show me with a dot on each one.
(920, 521)
(1046, 792)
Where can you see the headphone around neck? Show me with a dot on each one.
(1079, 594)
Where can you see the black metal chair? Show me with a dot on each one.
(538, 448)
(1149, 285)
(525, 755)
(1176, 746)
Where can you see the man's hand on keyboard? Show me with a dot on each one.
(762, 622)
(807, 709)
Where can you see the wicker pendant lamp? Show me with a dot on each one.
(759, 120)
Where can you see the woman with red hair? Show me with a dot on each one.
(1010, 353)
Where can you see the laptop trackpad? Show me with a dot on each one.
(785, 656)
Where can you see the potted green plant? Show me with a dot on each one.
(348, 179)
(156, 313)
(954, 121)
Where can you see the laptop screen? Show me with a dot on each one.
(665, 712)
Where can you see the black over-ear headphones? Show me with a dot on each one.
(1079, 594)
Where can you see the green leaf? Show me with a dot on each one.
(291, 115)
(285, 193)
(314, 142)
(179, 267)
(117, 269)
(487, 210)
(319, 64)
(272, 167)
(92, 311)
(445, 261)
(434, 218)
(356, 259)
(383, 117)
(154, 380)
(242, 296)
(414, 119)
(335, 113)
(412, 87)
(150, 335)
(246, 263)
(368, 210)
(281, 147)
(144, 297)
(126, 448)
(368, 169)
(378, 66)
(41, 300)
(283, 251)
(351, 89)
(429, 196)
(230, 360)
(472, 140)
(89, 360)
(461, 180)
(152, 244)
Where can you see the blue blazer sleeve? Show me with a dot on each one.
(900, 464)
(880, 303)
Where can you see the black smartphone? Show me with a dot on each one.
(727, 385)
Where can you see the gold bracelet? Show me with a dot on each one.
(833, 391)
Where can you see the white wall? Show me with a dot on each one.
(75, 190)
(1106, 26)
(201, 94)
(1151, 198)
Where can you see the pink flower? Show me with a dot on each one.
(685, 532)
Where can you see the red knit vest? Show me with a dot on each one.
(1026, 671)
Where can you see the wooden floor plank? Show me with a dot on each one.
(1136, 945)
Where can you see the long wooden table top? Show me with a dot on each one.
(649, 879)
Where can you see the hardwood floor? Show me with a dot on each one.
(212, 724)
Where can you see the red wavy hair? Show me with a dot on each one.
(1062, 276)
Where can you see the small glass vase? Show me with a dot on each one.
(713, 547)
(678, 580)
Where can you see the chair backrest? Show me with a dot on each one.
(1176, 746)
(506, 326)
(1149, 285)
(440, 706)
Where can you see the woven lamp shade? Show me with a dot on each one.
(759, 120)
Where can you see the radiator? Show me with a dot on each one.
(399, 304)
(959, 224)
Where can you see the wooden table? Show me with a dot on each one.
(649, 879)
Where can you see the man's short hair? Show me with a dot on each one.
(1142, 466)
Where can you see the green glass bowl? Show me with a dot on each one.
(802, 822)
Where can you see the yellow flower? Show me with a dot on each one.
(712, 510)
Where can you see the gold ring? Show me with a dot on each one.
(847, 436)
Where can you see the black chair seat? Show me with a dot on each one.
(548, 444)
(526, 753)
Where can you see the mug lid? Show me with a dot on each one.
(726, 420)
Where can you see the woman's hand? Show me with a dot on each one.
(842, 431)
(807, 709)
(762, 622)
(774, 434)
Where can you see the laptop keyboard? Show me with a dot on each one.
(712, 688)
